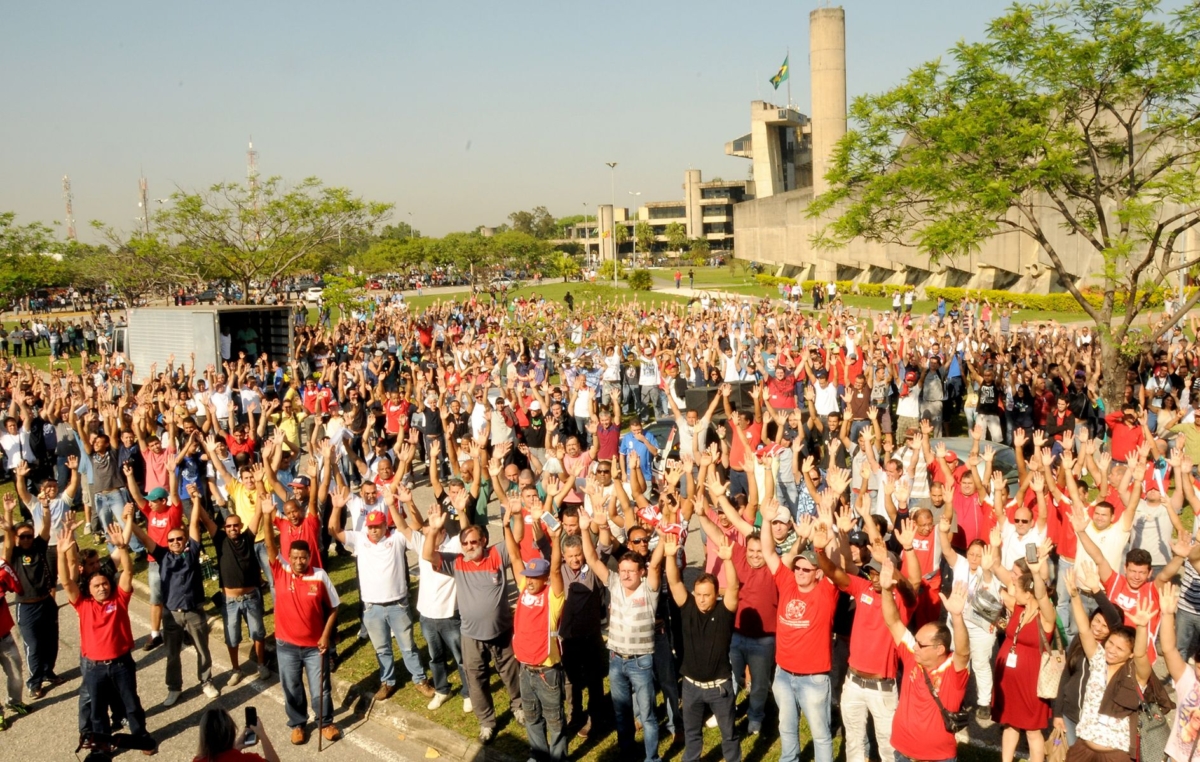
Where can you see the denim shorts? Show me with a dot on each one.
(250, 608)
(156, 598)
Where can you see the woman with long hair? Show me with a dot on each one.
(221, 742)
(1075, 673)
(975, 569)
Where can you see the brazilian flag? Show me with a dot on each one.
(782, 75)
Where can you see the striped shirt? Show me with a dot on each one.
(631, 618)
(1189, 591)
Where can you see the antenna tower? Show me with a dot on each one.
(70, 212)
(252, 167)
(144, 203)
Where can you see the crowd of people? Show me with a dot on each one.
(854, 562)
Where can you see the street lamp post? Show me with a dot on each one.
(612, 175)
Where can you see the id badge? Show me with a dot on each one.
(1011, 661)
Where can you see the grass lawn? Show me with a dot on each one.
(585, 294)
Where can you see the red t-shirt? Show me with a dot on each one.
(160, 523)
(245, 447)
(974, 520)
(156, 468)
(758, 598)
(804, 630)
(392, 414)
(309, 531)
(917, 728)
(234, 755)
(1124, 440)
(872, 647)
(8, 584)
(1060, 530)
(737, 455)
(610, 442)
(302, 604)
(104, 629)
(1127, 599)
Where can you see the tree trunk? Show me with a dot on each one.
(245, 291)
(1112, 379)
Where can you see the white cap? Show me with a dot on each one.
(535, 405)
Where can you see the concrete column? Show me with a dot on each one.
(608, 241)
(827, 65)
(691, 201)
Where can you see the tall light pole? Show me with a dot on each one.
(633, 233)
(410, 226)
(612, 175)
(587, 254)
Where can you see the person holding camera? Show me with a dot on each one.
(220, 740)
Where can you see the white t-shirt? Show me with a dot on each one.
(221, 402)
(15, 447)
(59, 509)
(826, 401)
(251, 401)
(647, 371)
(358, 511)
(583, 404)
(382, 567)
(437, 597)
(1012, 545)
(1112, 542)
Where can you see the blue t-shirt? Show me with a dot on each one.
(630, 443)
(182, 585)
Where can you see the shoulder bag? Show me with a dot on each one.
(1054, 660)
(953, 721)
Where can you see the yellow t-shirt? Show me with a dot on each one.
(243, 506)
(556, 607)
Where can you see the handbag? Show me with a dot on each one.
(987, 608)
(1051, 669)
(1154, 731)
(1056, 746)
(952, 721)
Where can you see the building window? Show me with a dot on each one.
(718, 210)
(667, 212)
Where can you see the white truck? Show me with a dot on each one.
(153, 334)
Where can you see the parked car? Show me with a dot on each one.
(313, 294)
(505, 283)
(208, 297)
(374, 285)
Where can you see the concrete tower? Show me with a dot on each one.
(827, 65)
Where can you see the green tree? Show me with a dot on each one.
(640, 280)
(698, 250)
(1036, 130)
(676, 236)
(621, 234)
(134, 267)
(643, 233)
(401, 231)
(563, 265)
(519, 251)
(262, 231)
(537, 223)
(345, 293)
(27, 259)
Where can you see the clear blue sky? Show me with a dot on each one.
(457, 112)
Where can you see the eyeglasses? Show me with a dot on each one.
(25, 536)
(1022, 521)
(806, 569)
(925, 645)
(643, 541)
(469, 543)
(176, 539)
(605, 472)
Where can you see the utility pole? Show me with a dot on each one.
(144, 203)
(612, 166)
(70, 221)
(633, 231)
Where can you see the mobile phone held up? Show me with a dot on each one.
(251, 738)
(1031, 553)
(551, 523)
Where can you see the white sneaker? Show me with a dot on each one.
(210, 690)
(172, 697)
(235, 678)
(437, 701)
(711, 722)
(467, 706)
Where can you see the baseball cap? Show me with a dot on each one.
(810, 556)
(538, 567)
(875, 566)
(858, 538)
(158, 493)
(535, 405)
(300, 481)
(376, 518)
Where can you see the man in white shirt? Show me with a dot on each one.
(383, 586)
(437, 605)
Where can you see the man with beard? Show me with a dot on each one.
(487, 620)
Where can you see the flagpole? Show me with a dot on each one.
(789, 73)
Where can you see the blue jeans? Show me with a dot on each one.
(38, 623)
(115, 681)
(249, 609)
(1064, 600)
(260, 550)
(759, 655)
(444, 638)
(382, 623)
(812, 695)
(1187, 630)
(542, 700)
(109, 506)
(631, 683)
(294, 663)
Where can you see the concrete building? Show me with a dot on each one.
(774, 228)
(705, 211)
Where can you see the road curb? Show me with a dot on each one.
(409, 726)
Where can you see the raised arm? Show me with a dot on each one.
(891, 612)
(669, 543)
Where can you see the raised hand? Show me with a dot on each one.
(887, 574)
(1168, 599)
(1141, 616)
(957, 602)
(724, 547)
(906, 533)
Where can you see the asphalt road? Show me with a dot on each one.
(50, 732)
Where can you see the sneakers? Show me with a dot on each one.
(17, 708)
(331, 733)
(425, 689)
(518, 715)
(152, 642)
(467, 708)
(211, 690)
(3, 723)
(486, 735)
(234, 678)
(263, 673)
(437, 701)
(299, 736)
(587, 728)
(172, 697)
(753, 729)
(385, 692)
(711, 722)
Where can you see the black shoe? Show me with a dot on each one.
(152, 643)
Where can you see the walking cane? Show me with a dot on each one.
(321, 703)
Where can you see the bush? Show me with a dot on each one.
(847, 287)
(640, 280)
(765, 279)
(605, 271)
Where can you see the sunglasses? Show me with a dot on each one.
(1022, 521)
(643, 541)
(176, 539)
(25, 536)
